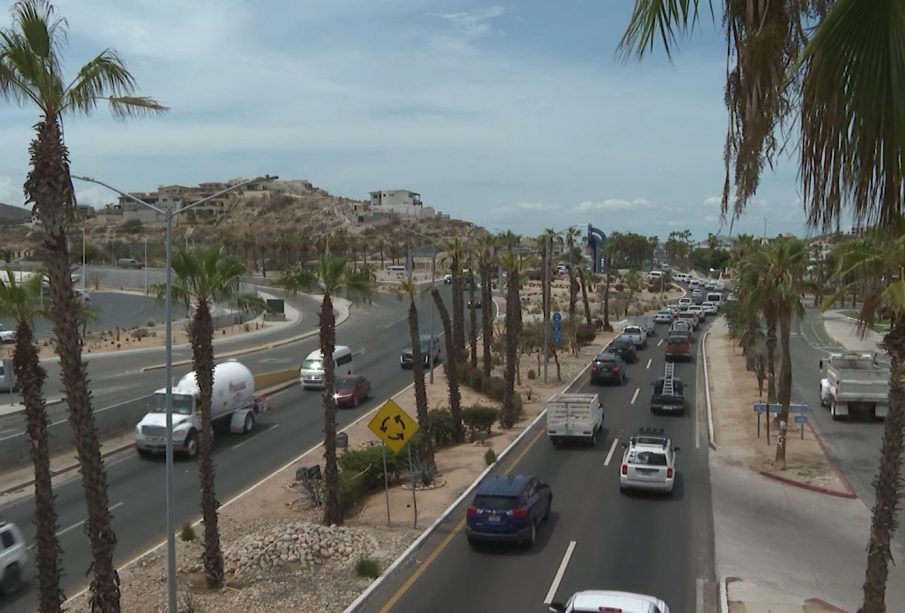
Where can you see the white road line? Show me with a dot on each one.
(559, 573)
(660, 342)
(609, 456)
(699, 595)
(77, 524)
(249, 439)
(635, 395)
(649, 360)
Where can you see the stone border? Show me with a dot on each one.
(710, 430)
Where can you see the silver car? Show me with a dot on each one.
(649, 463)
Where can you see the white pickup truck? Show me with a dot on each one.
(233, 405)
(855, 384)
(574, 417)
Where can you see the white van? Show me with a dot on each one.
(681, 276)
(716, 298)
(655, 275)
(311, 375)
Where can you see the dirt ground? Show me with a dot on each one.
(733, 392)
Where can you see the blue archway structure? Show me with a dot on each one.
(596, 241)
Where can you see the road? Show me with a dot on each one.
(294, 424)
(597, 537)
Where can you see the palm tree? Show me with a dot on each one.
(456, 253)
(452, 373)
(755, 289)
(20, 303)
(470, 262)
(879, 257)
(30, 73)
(487, 260)
(333, 278)
(205, 276)
(425, 444)
(511, 262)
(571, 234)
(585, 277)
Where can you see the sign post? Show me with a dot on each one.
(557, 326)
(799, 410)
(395, 428)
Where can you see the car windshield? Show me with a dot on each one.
(677, 340)
(621, 342)
(496, 503)
(647, 458)
(344, 382)
(182, 404)
(313, 364)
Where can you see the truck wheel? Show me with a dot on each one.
(143, 452)
(833, 411)
(249, 424)
(532, 536)
(12, 579)
(594, 438)
(191, 445)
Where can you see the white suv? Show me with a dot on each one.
(649, 462)
(697, 310)
(600, 600)
(14, 559)
(709, 308)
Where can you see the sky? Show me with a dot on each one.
(515, 116)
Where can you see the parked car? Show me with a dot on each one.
(128, 263)
(349, 390)
(649, 462)
(709, 308)
(664, 317)
(7, 335)
(606, 600)
(447, 279)
(624, 348)
(429, 351)
(608, 368)
(637, 334)
(508, 508)
(15, 561)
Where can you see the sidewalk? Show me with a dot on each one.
(844, 330)
(781, 548)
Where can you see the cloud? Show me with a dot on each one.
(537, 206)
(474, 23)
(713, 200)
(612, 205)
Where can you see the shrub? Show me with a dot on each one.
(585, 334)
(474, 378)
(351, 489)
(187, 533)
(495, 387)
(367, 567)
(531, 374)
(441, 427)
(368, 464)
(489, 457)
(518, 404)
(479, 419)
(151, 323)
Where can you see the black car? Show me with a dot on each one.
(624, 348)
(607, 368)
(508, 508)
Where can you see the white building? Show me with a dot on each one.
(400, 202)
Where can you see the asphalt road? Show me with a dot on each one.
(642, 543)
(293, 425)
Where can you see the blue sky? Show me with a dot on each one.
(514, 116)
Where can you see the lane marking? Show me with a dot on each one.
(635, 395)
(551, 593)
(699, 595)
(251, 438)
(77, 524)
(609, 456)
(660, 342)
(649, 360)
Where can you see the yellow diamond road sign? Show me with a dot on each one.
(393, 425)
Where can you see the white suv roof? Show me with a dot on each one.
(624, 602)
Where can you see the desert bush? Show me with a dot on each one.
(441, 427)
(495, 387)
(531, 374)
(489, 457)
(368, 463)
(585, 334)
(351, 489)
(474, 378)
(187, 533)
(138, 334)
(479, 419)
(367, 567)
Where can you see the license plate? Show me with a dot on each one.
(493, 518)
(647, 471)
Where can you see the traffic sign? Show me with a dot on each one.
(556, 337)
(393, 425)
(761, 407)
(801, 419)
(557, 316)
(557, 326)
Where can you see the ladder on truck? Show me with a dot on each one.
(668, 375)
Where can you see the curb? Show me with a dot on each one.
(430, 529)
(826, 605)
(831, 462)
(707, 391)
(806, 486)
(724, 594)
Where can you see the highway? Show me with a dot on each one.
(596, 538)
(294, 424)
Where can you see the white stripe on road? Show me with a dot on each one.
(699, 595)
(609, 456)
(250, 438)
(649, 360)
(660, 342)
(559, 573)
(635, 395)
(76, 525)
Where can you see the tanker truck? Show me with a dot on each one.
(233, 407)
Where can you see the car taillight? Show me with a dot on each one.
(669, 473)
(471, 511)
(593, 368)
(520, 513)
(625, 469)
(615, 369)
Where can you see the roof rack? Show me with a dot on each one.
(650, 436)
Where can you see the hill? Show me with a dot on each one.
(13, 215)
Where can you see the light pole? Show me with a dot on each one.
(84, 272)
(169, 214)
(146, 265)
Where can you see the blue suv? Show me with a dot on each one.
(508, 508)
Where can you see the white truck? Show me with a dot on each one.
(233, 406)
(574, 417)
(855, 384)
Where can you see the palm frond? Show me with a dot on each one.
(653, 19)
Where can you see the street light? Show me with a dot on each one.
(169, 214)
(84, 272)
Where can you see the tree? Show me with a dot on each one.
(471, 261)
(754, 290)
(487, 261)
(571, 234)
(452, 373)
(204, 276)
(333, 278)
(132, 226)
(585, 277)
(30, 73)
(456, 251)
(21, 303)
(425, 444)
(512, 263)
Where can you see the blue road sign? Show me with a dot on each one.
(557, 316)
(761, 407)
(556, 337)
(557, 326)
(801, 419)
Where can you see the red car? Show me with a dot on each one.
(349, 390)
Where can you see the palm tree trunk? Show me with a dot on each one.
(606, 303)
(425, 445)
(584, 299)
(458, 312)
(202, 334)
(785, 388)
(473, 324)
(888, 482)
(513, 309)
(333, 512)
(452, 369)
(573, 299)
(771, 360)
(487, 319)
(49, 187)
(31, 376)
